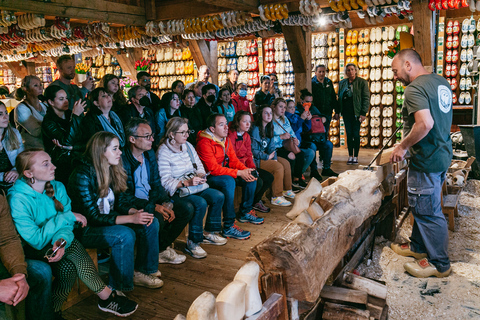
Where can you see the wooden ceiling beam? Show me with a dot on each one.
(99, 10)
(167, 10)
(242, 5)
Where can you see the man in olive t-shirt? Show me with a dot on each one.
(427, 112)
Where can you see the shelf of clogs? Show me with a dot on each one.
(103, 64)
(241, 55)
(325, 50)
(460, 37)
(167, 65)
(8, 79)
(366, 48)
(278, 61)
(45, 73)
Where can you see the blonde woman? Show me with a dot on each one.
(10, 147)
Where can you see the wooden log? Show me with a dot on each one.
(339, 294)
(271, 309)
(334, 311)
(375, 311)
(274, 283)
(307, 255)
(385, 156)
(371, 287)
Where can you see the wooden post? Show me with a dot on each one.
(31, 68)
(273, 283)
(127, 63)
(213, 61)
(424, 35)
(18, 69)
(150, 10)
(205, 53)
(299, 46)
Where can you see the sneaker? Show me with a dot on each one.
(404, 250)
(118, 305)
(296, 188)
(146, 280)
(424, 269)
(289, 194)
(170, 256)
(281, 201)
(355, 160)
(261, 207)
(300, 184)
(213, 238)
(157, 274)
(251, 217)
(329, 173)
(350, 161)
(235, 232)
(195, 250)
(316, 175)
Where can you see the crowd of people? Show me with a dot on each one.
(89, 168)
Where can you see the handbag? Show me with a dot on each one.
(187, 191)
(289, 144)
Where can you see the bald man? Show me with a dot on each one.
(427, 116)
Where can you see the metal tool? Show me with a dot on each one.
(369, 167)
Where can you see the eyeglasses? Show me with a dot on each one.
(148, 136)
(51, 253)
(185, 133)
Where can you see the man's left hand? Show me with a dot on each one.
(22, 288)
(88, 84)
(398, 153)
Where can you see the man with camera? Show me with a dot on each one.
(218, 156)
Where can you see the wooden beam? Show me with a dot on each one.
(181, 9)
(18, 69)
(197, 55)
(371, 287)
(150, 10)
(99, 10)
(274, 283)
(333, 311)
(271, 309)
(213, 46)
(344, 295)
(243, 5)
(424, 35)
(127, 63)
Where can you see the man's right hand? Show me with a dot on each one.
(167, 214)
(8, 289)
(246, 174)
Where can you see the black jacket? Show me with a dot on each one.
(130, 111)
(205, 111)
(67, 132)
(83, 191)
(155, 102)
(195, 121)
(262, 98)
(157, 195)
(91, 125)
(324, 96)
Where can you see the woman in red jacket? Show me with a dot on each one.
(242, 144)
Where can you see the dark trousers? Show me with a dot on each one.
(264, 181)
(352, 129)
(169, 231)
(296, 164)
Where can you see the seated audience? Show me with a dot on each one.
(242, 144)
(170, 108)
(224, 105)
(282, 131)
(61, 131)
(100, 117)
(183, 176)
(265, 157)
(217, 154)
(192, 113)
(10, 147)
(111, 83)
(263, 95)
(20, 276)
(44, 219)
(239, 98)
(178, 86)
(29, 113)
(145, 192)
(206, 103)
(94, 186)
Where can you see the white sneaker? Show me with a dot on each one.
(289, 194)
(170, 256)
(213, 238)
(281, 201)
(157, 274)
(146, 280)
(195, 250)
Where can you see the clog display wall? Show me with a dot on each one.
(103, 64)
(8, 79)
(45, 74)
(278, 61)
(168, 64)
(241, 55)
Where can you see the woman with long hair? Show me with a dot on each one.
(242, 144)
(224, 105)
(170, 108)
(61, 130)
(11, 145)
(94, 184)
(112, 84)
(43, 217)
(29, 113)
(265, 157)
(180, 168)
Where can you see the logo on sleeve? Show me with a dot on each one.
(444, 98)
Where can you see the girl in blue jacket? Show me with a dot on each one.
(42, 215)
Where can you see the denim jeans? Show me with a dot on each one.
(429, 233)
(39, 300)
(325, 151)
(212, 198)
(226, 184)
(121, 238)
(309, 155)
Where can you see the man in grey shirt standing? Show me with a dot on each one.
(427, 114)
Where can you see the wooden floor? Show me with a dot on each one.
(185, 282)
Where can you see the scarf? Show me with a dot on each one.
(117, 130)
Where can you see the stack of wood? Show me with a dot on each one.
(358, 298)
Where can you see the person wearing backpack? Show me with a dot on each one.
(314, 134)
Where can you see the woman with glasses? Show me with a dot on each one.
(183, 176)
(94, 185)
(44, 219)
(170, 108)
